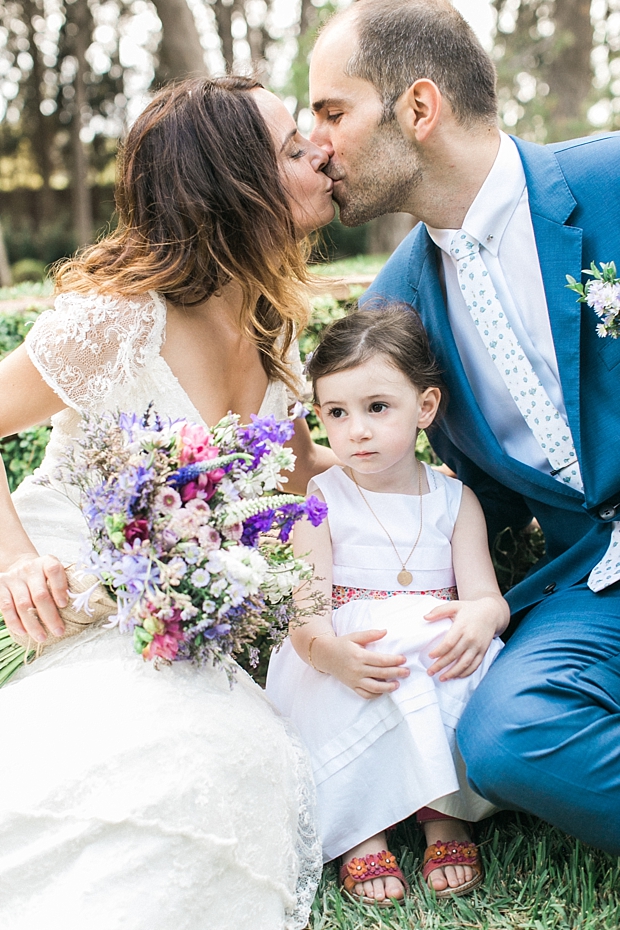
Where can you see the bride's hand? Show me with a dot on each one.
(30, 592)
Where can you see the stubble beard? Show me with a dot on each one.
(389, 170)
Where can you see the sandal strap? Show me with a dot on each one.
(450, 853)
(374, 865)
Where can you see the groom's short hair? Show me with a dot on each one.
(401, 41)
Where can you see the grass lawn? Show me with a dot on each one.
(537, 878)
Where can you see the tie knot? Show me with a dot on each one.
(463, 245)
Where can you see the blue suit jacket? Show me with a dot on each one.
(574, 196)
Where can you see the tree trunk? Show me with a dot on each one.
(570, 71)
(5, 268)
(180, 52)
(41, 125)
(82, 201)
(387, 232)
(223, 18)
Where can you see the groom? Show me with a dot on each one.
(404, 98)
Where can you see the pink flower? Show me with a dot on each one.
(203, 486)
(137, 529)
(166, 645)
(195, 444)
(234, 532)
(208, 538)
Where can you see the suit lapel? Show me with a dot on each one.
(560, 253)
(466, 426)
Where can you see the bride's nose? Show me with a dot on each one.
(318, 156)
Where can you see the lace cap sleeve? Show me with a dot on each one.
(89, 343)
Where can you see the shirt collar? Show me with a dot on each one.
(495, 202)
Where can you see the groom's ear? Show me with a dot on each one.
(418, 110)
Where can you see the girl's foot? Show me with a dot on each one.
(380, 889)
(451, 879)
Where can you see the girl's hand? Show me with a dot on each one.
(30, 592)
(475, 623)
(366, 672)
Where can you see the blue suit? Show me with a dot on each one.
(542, 732)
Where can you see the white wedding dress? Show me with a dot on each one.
(131, 798)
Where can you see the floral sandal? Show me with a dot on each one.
(453, 853)
(374, 865)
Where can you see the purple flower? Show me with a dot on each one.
(256, 525)
(316, 510)
(286, 518)
(217, 631)
(136, 573)
(264, 430)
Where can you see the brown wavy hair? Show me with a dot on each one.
(386, 327)
(200, 202)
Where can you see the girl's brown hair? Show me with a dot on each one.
(391, 328)
(200, 202)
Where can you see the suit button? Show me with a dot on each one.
(550, 588)
(607, 513)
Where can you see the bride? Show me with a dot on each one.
(129, 797)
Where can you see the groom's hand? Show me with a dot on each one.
(30, 593)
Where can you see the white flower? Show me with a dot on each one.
(200, 578)
(191, 553)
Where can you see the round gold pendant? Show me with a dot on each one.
(405, 578)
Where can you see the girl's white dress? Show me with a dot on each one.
(378, 761)
(130, 798)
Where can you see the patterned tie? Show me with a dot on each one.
(541, 415)
(545, 421)
(608, 569)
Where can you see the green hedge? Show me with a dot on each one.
(23, 452)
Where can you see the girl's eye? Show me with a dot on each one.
(378, 407)
(336, 413)
(298, 153)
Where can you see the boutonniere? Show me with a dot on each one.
(603, 295)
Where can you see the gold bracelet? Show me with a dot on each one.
(310, 662)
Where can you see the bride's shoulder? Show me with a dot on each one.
(80, 314)
(97, 339)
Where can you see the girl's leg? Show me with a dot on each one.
(387, 886)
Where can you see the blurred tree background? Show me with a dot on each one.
(74, 73)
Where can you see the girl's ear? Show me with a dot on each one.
(317, 410)
(429, 401)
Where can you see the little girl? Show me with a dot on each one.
(377, 690)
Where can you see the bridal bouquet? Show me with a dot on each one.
(603, 295)
(178, 516)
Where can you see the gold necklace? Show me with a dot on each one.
(404, 576)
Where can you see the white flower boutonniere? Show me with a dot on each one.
(603, 295)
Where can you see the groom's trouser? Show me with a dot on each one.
(542, 732)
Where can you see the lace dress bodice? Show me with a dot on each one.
(100, 352)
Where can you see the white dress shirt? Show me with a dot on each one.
(499, 218)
